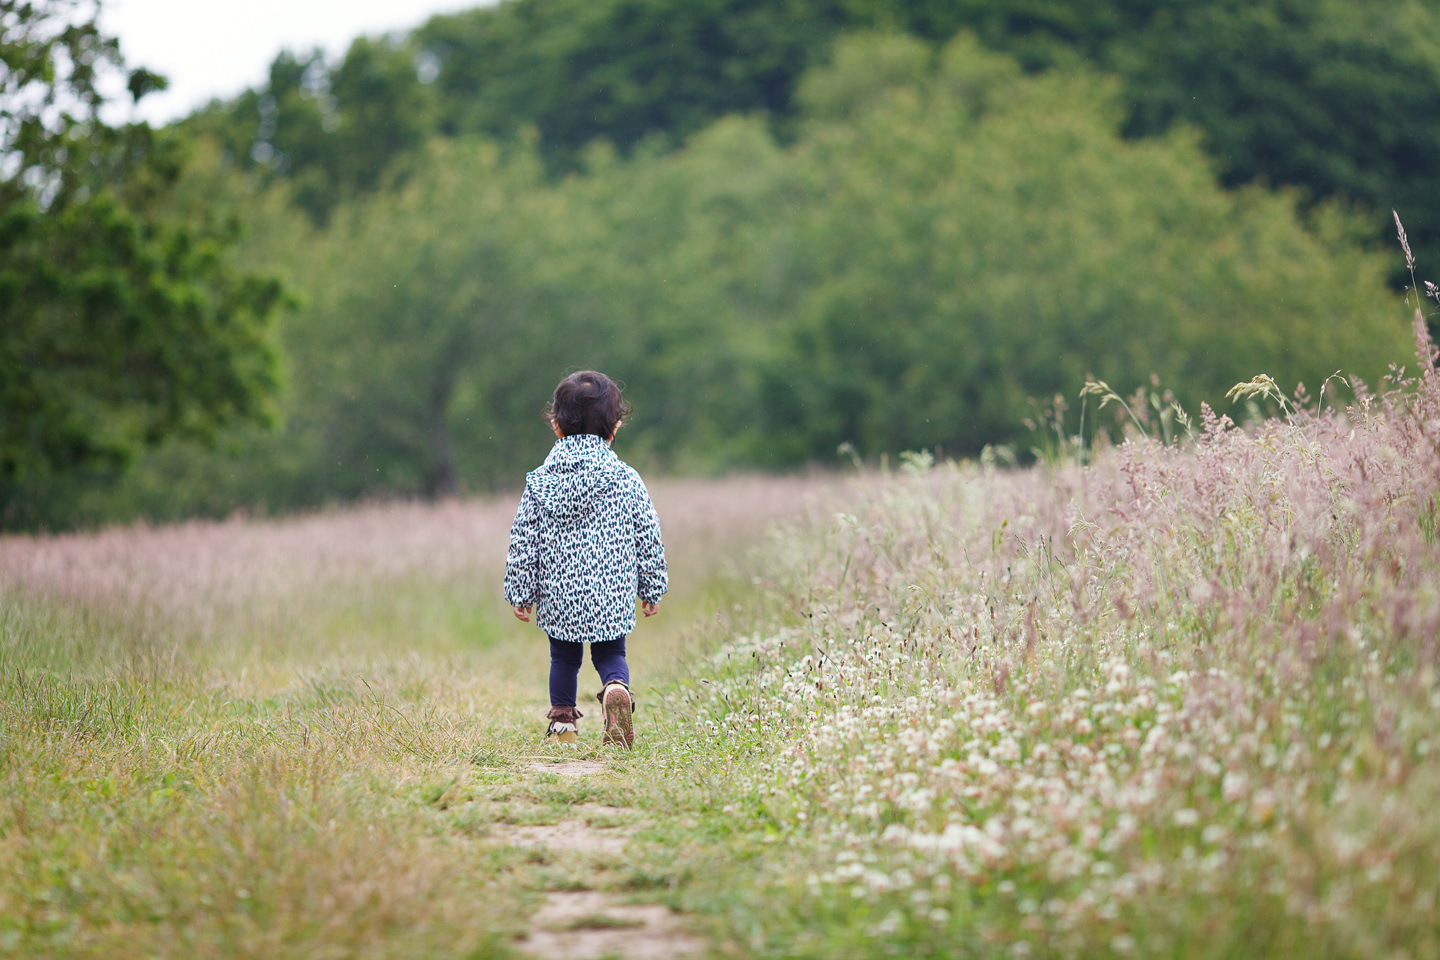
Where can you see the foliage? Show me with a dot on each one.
(1179, 702)
(1332, 97)
(983, 240)
(943, 239)
(430, 324)
(623, 70)
(619, 70)
(328, 132)
(124, 324)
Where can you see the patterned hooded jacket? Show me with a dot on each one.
(585, 543)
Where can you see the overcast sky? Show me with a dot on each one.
(210, 48)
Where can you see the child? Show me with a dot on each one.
(584, 544)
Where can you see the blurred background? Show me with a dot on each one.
(789, 226)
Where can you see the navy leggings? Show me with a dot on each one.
(608, 656)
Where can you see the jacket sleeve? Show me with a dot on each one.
(522, 562)
(653, 577)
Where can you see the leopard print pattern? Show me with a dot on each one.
(585, 543)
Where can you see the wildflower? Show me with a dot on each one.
(1262, 810)
(1061, 784)
(1186, 817)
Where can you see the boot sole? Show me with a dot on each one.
(619, 722)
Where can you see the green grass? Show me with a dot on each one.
(1172, 703)
(345, 804)
(322, 767)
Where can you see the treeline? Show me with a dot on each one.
(1336, 98)
(940, 237)
(787, 226)
(123, 320)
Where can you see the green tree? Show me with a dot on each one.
(329, 132)
(973, 240)
(451, 299)
(623, 70)
(938, 237)
(1335, 97)
(123, 323)
(944, 238)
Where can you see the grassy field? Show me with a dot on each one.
(1163, 699)
(306, 737)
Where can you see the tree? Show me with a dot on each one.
(954, 238)
(623, 70)
(935, 236)
(942, 237)
(123, 323)
(1334, 97)
(330, 131)
(1338, 98)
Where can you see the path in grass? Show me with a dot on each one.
(323, 736)
(557, 822)
(938, 726)
(582, 924)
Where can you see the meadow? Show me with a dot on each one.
(1172, 696)
(229, 739)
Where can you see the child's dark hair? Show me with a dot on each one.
(587, 402)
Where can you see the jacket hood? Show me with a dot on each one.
(579, 469)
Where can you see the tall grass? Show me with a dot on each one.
(1171, 697)
(228, 739)
(1179, 701)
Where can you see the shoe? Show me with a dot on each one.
(563, 732)
(564, 724)
(619, 709)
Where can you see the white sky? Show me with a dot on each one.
(216, 48)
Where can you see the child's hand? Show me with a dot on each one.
(650, 608)
(522, 613)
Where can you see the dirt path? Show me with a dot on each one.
(590, 924)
